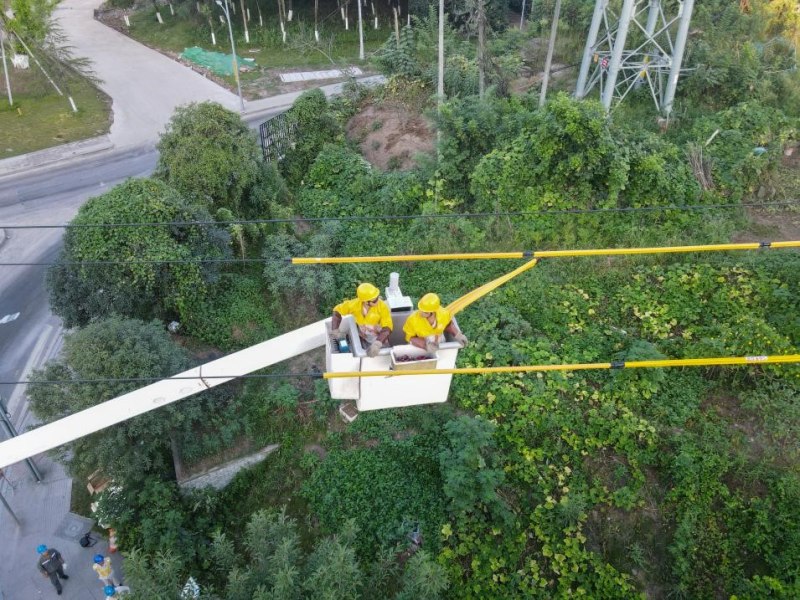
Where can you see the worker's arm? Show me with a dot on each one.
(336, 320)
(455, 332)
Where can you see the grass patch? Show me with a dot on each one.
(40, 118)
(337, 47)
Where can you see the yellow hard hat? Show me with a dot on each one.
(429, 303)
(367, 292)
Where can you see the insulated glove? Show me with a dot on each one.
(338, 334)
(431, 346)
(374, 349)
(461, 339)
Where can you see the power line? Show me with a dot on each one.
(369, 218)
(313, 374)
(722, 361)
(313, 260)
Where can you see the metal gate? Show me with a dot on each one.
(277, 136)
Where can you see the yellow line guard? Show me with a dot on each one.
(545, 253)
(640, 364)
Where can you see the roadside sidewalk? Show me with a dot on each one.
(43, 512)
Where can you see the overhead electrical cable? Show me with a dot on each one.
(369, 218)
(719, 361)
(327, 260)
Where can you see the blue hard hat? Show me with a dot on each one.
(99, 559)
(109, 590)
(41, 548)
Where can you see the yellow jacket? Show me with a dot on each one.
(418, 326)
(378, 314)
(103, 571)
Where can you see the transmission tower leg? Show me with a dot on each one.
(677, 56)
(586, 63)
(652, 17)
(616, 53)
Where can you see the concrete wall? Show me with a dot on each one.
(220, 476)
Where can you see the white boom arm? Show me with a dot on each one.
(162, 393)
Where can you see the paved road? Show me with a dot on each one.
(145, 86)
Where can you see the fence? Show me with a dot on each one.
(277, 136)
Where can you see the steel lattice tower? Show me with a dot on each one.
(639, 45)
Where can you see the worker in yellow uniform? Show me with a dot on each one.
(370, 313)
(425, 328)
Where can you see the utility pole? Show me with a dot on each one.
(226, 10)
(360, 33)
(5, 64)
(11, 512)
(522, 15)
(550, 48)
(440, 87)
(5, 417)
(481, 48)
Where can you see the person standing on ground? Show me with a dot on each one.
(426, 327)
(51, 564)
(113, 591)
(105, 572)
(371, 314)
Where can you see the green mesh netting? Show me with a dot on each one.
(217, 62)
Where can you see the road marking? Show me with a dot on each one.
(9, 318)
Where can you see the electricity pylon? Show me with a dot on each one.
(632, 45)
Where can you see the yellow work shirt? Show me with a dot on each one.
(103, 571)
(418, 326)
(378, 315)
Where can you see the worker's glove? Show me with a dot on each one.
(374, 349)
(461, 339)
(338, 334)
(432, 346)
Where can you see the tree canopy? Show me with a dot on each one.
(210, 155)
(139, 271)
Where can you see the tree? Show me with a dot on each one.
(30, 22)
(275, 566)
(470, 468)
(139, 281)
(210, 156)
(116, 348)
(314, 127)
(565, 158)
(423, 578)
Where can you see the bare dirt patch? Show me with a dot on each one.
(391, 136)
(770, 224)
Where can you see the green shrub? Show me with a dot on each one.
(237, 316)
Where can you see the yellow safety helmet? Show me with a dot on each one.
(429, 303)
(367, 292)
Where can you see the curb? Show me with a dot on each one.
(58, 154)
(28, 163)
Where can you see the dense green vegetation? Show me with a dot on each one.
(679, 483)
